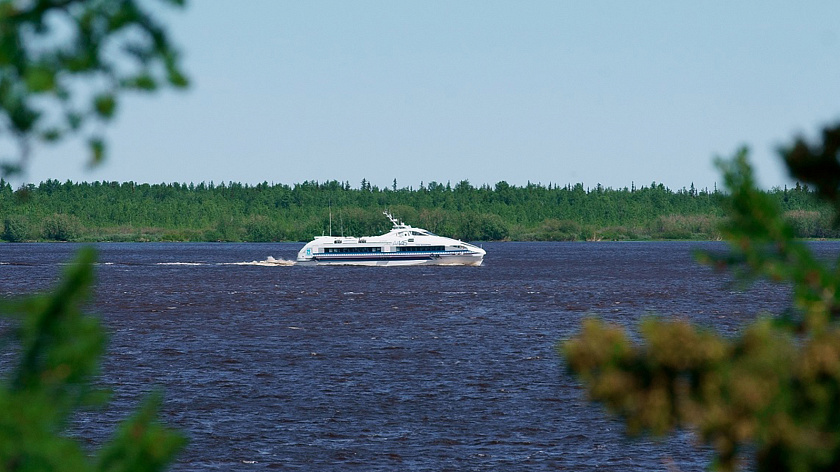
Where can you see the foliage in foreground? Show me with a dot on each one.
(63, 66)
(774, 390)
(59, 349)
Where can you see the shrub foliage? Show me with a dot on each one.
(774, 390)
(59, 348)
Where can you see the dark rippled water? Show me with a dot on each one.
(365, 369)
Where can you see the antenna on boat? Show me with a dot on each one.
(330, 217)
(393, 220)
(397, 223)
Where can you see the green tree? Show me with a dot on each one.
(16, 228)
(59, 350)
(60, 227)
(63, 64)
(111, 210)
(774, 390)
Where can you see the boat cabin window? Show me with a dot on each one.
(420, 248)
(345, 250)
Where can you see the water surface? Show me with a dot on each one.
(384, 368)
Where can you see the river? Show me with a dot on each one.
(380, 369)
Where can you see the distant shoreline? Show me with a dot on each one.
(304, 242)
(130, 212)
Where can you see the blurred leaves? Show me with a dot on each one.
(59, 349)
(62, 66)
(141, 444)
(105, 104)
(817, 164)
(64, 63)
(774, 390)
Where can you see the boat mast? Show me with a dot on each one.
(394, 221)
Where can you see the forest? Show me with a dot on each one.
(128, 211)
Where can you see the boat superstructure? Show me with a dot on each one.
(403, 245)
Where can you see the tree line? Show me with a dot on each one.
(128, 211)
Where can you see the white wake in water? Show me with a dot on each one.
(181, 263)
(268, 262)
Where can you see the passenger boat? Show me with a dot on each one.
(403, 245)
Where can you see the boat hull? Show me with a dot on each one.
(387, 260)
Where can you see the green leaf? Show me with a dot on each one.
(51, 135)
(23, 118)
(10, 169)
(40, 79)
(141, 82)
(60, 345)
(97, 150)
(105, 105)
(142, 443)
(177, 79)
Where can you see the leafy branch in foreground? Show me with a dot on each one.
(59, 349)
(64, 63)
(773, 390)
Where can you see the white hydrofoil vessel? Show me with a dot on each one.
(403, 245)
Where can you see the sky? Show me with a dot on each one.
(615, 93)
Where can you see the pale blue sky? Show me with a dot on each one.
(608, 92)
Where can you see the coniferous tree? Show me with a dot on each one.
(773, 391)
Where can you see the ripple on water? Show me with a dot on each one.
(380, 369)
